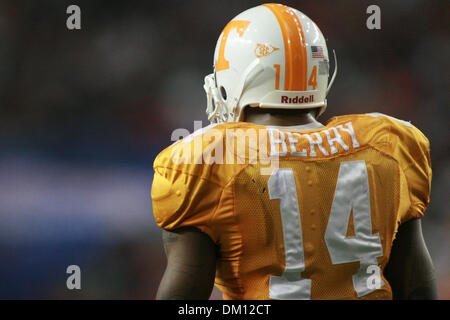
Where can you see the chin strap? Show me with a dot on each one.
(334, 73)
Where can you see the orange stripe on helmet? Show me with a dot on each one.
(294, 47)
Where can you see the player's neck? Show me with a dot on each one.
(280, 120)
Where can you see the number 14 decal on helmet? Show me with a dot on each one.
(311, 82)
(351, 194)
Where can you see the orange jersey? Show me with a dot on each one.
(316, 224)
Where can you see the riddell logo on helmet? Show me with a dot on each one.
(297, 99)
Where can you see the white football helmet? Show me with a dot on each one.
(269, 56)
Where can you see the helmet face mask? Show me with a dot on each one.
(270, 56)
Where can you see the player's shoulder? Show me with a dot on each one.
(195, 147)
(372, 117)
(183, 142)
(380, 127)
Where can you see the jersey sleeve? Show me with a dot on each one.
(184, 193)
(417, 169)
(411, 148)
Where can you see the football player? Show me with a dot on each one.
(269, 203)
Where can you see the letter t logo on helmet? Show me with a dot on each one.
(269, 56)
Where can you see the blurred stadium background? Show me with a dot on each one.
(84, 113)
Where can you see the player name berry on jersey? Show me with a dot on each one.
(247, 143)
(324, 142)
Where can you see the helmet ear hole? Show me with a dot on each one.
(223, 92)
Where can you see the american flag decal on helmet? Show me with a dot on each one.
(317, 51)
